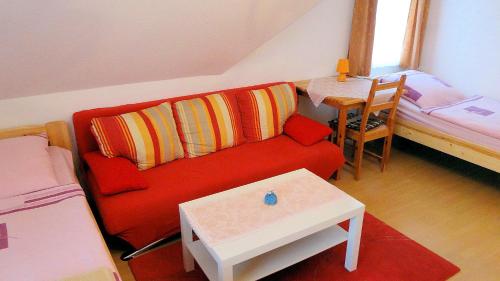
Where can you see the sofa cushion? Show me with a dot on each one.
(143, 216)
(82, 119)
(115, 175)
(265, 111)
(147, 137)
(305, 130)
(209, 123)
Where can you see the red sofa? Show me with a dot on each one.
(143, 216)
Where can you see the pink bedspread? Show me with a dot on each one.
(480, 114)
(410, 112)
(62, 162)
(50, 235)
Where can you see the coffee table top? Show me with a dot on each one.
(236, 224)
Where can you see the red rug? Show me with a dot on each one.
(384, 254)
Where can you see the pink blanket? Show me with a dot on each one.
(40, 198)
(50, 235)
(480, 114)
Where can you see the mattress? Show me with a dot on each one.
(410, 112)
(50, 234)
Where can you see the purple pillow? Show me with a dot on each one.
(425, 90)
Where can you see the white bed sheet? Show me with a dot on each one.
(411, 112)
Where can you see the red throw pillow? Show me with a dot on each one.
(305, 130)
(114, 175)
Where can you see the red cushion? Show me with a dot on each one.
(114, 175)
(144, 216)
(305, 130)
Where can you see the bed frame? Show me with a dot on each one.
(57, 133)
(451, 145)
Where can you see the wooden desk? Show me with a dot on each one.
(343, 104)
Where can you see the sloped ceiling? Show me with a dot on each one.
(59, 45)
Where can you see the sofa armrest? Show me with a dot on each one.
(305, 130)
(114, 175)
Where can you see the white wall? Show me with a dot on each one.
(58, 45)
(308, 48)
(462, 45)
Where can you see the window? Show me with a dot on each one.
(390, 28)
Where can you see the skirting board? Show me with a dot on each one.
(451, 145)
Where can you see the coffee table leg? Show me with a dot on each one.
(186, 237)
(224, 272)
(353, 239)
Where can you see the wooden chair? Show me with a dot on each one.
(370, 128)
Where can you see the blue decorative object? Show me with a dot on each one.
(271, 198)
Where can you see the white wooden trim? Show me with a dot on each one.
(272, 261)
(186, 238)
(353, 241)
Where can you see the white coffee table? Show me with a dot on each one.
(241, 238)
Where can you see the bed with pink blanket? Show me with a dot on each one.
(480, 114)
(437, 115)
(47, 231)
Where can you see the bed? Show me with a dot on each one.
(464, 136)
(48, 232)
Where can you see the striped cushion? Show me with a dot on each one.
(209, 123)
(265, 111)
(147, 137)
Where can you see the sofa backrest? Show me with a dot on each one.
(81, 120)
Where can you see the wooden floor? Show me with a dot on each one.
(447, 205)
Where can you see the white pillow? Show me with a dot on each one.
(425, 90)
(25, 166)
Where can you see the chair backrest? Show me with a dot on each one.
(391, 104)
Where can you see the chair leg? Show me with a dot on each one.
(358, 158)
(386, 152)
(333, 136)
(354, 147)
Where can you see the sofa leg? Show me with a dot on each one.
(128, 255)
